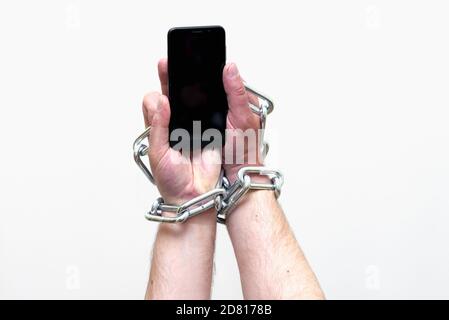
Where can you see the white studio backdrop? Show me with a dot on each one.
(360, 131)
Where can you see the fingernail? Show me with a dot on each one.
(233, 72)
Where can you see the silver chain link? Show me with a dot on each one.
(243, 184)
(224, 197)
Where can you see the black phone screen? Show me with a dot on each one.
(196, 58)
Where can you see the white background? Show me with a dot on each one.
(360, 131)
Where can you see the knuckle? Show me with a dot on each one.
(240, 90)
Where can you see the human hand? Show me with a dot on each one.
(177, 177)
(242, 134)
(183, 255)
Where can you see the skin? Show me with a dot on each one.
(182, 254)
(271, 263)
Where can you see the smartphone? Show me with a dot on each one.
(196, 58)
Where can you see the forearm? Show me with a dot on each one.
(182, 261)
(271, 263)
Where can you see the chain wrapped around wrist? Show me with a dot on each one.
(224, 197)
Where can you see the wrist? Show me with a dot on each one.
(199, 229)
(189, 192)
(207, 217)
(254, 205)
(180, 199)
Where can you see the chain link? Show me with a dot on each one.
(186, 210)
(224, 197)
(243, 184)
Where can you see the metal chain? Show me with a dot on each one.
(187, 210)
(224, 196)
(243, 184)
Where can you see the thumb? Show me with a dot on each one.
(159, 131)
(240, 114)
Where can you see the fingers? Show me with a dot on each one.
(151, 99)
(162, 68)
(239, 111)
(156, 111)
(159, 131)
(149, 106)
